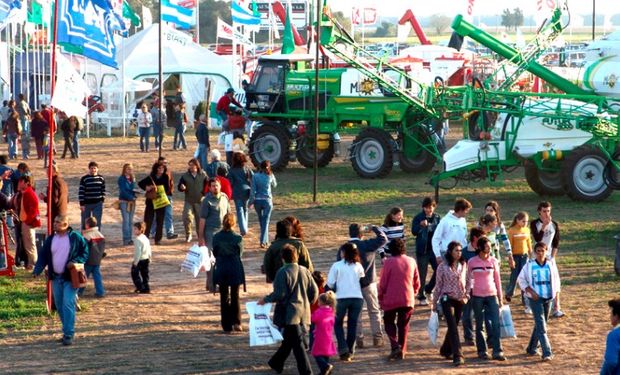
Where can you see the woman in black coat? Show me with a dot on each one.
(157, 177)
(228, 273)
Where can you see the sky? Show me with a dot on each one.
(481, 7)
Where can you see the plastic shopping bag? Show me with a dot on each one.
(433, 327)
(262, 330)
(198, 258)
(506, 326)
(162, 199)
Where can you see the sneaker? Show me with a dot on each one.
(238, 328)
(548, 358)
(508, 299)
(499, 357)
(66, 341)
(359, 343)
(532, 353)
(396, 353)
(423, 302)
(458, 362)
(377, 342)
(484, 356)
(172, 236)
(328, 370)
(188, 238)
(346, 357)
(558, 314)
(528, 311)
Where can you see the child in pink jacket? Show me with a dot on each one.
(323, 320)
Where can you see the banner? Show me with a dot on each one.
(89, 25)
(130, 15)
(366, 15)
(70, 89)
(171, 11)
(147, 17)
(243, 15)
(225, 31)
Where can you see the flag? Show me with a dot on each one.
(147, 17)
(36, 13)
(242, 15)
(70, 88)
(13, 11)
(225, 31)
(172, 12)
(288, 39)
(366, 16)
(130, 15)
(274, 24)
(91, 26)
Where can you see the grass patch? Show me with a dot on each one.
(22, 303)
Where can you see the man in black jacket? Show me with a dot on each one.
(367, 249)
(423, 228)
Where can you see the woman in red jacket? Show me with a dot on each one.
(29, 216)
(398, 286)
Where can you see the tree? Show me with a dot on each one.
(385, 30)
(507, 18)
(343, 20)
(439, 22)
(512, 19)
(517, 18)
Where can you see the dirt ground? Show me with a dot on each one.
(176, 328)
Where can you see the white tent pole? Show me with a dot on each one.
(198, 22)
(124, 105)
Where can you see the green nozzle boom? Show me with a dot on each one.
(466, 29)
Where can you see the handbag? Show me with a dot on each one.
(116, 204)
(78, 275)
(161, 199)
(151, 193)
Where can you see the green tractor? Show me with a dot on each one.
(387, 129)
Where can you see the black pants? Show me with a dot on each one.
(149, 214)
(229, 306)
(140, 275)
(68, 146)
(424, 259)
(452, 310)
(294, 339)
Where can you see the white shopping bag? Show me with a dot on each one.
(262, 330)
(228, 142)
(198, 258)
(433, 327)
(221, 138)
(506, 326)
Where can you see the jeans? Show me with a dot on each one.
(98, 280)
(157, 135)
(179, 134)
(64, 299)
(76, 144)
(241, 206)
(397, 326)
(13, 147)
(451, 344)
(263, 209)
(25, 145)
(423, 261)
(168, 223)
(203, 150)
(145, 135)
(230, 311)
(540, 313)
(322, 361)
(140, 275)
(92, 209)
(127, 218)
(487, 307)
(352, 307)
(520, 261)
(294, 339)
(371, 298)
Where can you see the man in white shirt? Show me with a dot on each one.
(453, 227)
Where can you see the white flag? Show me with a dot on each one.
(274, 24)
(224, 30)
(147, 17)
(70, 89)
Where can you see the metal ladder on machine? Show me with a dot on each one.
(549, 31)
(338, 41)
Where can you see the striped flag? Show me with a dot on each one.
(172, 12)
(242, 15)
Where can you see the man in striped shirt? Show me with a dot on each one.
(92, 194)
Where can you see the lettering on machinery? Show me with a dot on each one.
(557, 123)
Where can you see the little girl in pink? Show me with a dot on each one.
(323, 319)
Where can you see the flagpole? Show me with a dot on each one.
(161, 84)
(53, 123)
(198, 22)
(315, 165)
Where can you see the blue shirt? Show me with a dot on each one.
(261, 186)
(7, 188)
(541, 279)
(611, 363)
(125, 189)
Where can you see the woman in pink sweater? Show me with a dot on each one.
(484, 282)
(398, 286)
(323, 319)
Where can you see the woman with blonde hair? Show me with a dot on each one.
(127, 199)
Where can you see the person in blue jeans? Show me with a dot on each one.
(168, 221)
(240, 176)
(13, 130)
(180, 128)
(69, 248)
(540, 280)
(144, 121)
(127, 198)
(344, 278)
(260, 196)
(469, 252)
(96, 247)
(91, 194)
(202, 136)
(157, 124)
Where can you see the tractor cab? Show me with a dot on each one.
(266, 92)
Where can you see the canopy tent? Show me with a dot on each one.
(128, 85)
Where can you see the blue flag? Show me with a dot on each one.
(172, 12)
(6, 6)
(243, 16)
(90, 24)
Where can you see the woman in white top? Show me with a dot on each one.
(344, 278)
(144, 127)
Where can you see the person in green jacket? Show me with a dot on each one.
(272, 261)
(192, 183)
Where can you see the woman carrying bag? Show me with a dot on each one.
(157, 187)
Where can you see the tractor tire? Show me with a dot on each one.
(543, 182)
(424, 162)
(270, 142)
(583, 175)
(372, 153)
(305, 153)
